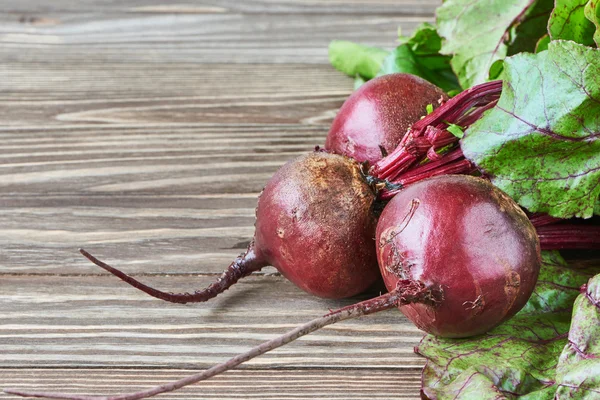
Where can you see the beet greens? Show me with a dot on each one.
(541, 143)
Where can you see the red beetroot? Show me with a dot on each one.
(469, 239)
(374, 118)
(314, 223)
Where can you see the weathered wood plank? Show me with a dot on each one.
(285, 7)
(72, 321)
(317, 384)
(186, 96)
(193, 38)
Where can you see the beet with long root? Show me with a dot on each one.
(314, 223)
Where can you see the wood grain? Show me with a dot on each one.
(143, 131)
(98, 321)
(322, 384)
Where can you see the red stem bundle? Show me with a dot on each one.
(430, 134)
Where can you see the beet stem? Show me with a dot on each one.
(450, 163)
(562, 236)
(406, 292)
(539, 219)
(242, 266)
(463, 110)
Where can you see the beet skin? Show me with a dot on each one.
(467, 238)
(378, 114)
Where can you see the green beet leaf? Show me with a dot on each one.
(420, 55)
(542, 44)
(404, 60)
(496, 70)
(541, 143)
(356, 59)
(425, 41)
(578, 371)
(530, 28)
(592, 13)
(456, 130)
(479, 33)
(568, 22)
(518, 358)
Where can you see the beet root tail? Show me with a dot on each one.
(406, 292)
(242, 266)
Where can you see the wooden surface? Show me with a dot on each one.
(143, 131)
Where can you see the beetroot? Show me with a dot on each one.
(457, 254)
(374, 118)
(314, 223)
(467, 237)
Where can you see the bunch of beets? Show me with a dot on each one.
(391, 196)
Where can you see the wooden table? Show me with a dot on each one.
(143, 131)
